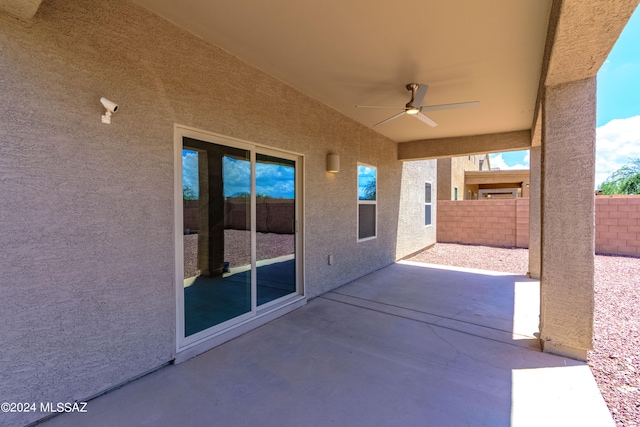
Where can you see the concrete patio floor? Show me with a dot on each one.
(409, 345)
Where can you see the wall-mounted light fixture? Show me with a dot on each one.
(333, 163)
(111, 107)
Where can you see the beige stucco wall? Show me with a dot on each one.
(451, 175)
(412, 231)
(534, 213)
(444, 179)
(87, 239)
(567, 218)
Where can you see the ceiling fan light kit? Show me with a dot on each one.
(415, 108)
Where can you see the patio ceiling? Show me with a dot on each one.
(364, 52)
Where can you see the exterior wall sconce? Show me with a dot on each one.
(333, 163)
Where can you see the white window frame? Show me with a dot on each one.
(429, 204)
(365, 202)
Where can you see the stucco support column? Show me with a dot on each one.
(534, 212)
(567, 218)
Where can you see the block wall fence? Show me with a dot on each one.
(506, 223)
(272, 215)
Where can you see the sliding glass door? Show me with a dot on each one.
(240, 241)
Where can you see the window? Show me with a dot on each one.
(427, 203)
(455, 193)
(367, 202)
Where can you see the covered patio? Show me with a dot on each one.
(410, 344)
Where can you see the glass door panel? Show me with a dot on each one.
(275, 228)
(217, 234)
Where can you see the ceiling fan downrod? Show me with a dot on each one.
(410, 108)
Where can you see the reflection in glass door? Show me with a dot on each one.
(275, 228)
(239, 234)
(217, 234)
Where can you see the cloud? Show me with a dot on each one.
(617, 142)
(276, 181)
(190, 170)
(236, 176)
(498, 162)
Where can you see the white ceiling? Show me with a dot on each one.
(363, 52)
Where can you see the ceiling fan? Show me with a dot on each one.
(415, 108)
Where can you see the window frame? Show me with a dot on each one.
(365, 202)
(430, 204)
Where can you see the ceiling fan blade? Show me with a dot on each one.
(449, 106)
(389, 119)
(376, 106)
(420, 93)
(425, 119)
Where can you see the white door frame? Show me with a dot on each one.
(187, 347)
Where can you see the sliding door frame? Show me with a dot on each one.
(192, 345)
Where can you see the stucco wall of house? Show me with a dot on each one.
(458, 166)
(86, 208)
(412, 231)
(445, 188)
(451, 174)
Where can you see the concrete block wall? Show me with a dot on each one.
(522, 222)
(484, 222)
(506, 223)
(618, 225)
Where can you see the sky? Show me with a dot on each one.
(617, 111)
(276, 181)
(366, 175)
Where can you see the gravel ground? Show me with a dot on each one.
(237, 248)
(615, 360)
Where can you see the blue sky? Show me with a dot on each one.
(618, 109)
(366, 175)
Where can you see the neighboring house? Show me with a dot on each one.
(451, 174)
(115, 239)
(497, 184)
